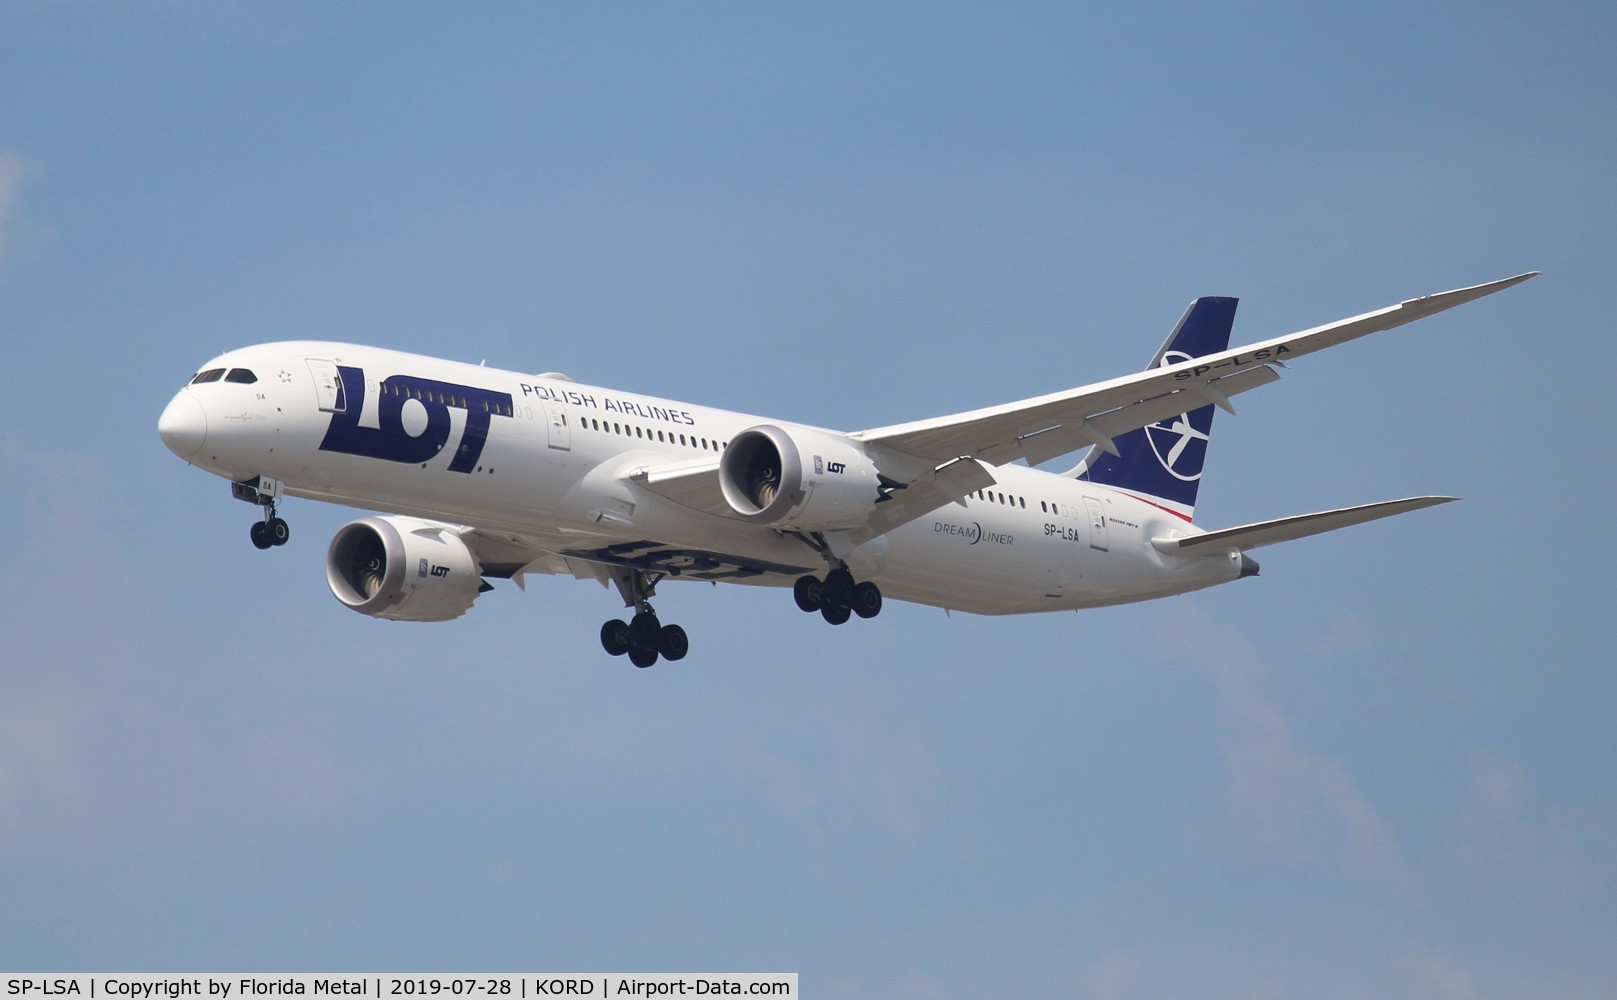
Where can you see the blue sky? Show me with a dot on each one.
(1381, 768)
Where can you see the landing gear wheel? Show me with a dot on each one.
(644, 629)
(809, 593)
(615, 637)
(645, 636)
(838, 587)
(260, 535)
(277, 531)
(672, 643)
(836, 614)
(866, 600)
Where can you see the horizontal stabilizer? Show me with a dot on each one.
(1285, 529)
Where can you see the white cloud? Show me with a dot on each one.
(1285, 802)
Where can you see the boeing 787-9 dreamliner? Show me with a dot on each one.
(480, 474)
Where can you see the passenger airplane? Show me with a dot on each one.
(495, 474)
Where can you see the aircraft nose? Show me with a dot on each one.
(183, 425)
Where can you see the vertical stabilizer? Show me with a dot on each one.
(1162, 462)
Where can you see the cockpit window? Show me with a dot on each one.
(211, 375)
(241, 375)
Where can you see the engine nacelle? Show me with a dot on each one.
(798, 478)
(403, 569)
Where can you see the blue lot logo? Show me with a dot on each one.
(392, 441)
(1177, 442)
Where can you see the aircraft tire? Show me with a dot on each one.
(836, 614)
(673, 643)
(838, 587)
(615, 637)
(867, 600)
(809, 593)
(645, 634)
(644, 629)
(277, 531)
(260, 535)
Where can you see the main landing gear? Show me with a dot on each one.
(644, 637)
(272, 530)
(837, 597)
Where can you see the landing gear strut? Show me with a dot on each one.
(837, 598)
(272, 530)
(644, 638)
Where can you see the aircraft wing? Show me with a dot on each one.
(504, 556)
(962, 448)
(1285, 529)
(1045, 427)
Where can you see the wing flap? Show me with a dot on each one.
(511, 557)
(949, 483)
(696, 485)
(1285, 529)
(689, 484)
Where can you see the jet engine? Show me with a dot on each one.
(403, 569)
(798, 478)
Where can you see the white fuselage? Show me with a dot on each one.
(550, 462)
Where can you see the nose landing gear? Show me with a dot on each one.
(264, 491)
(269, 532)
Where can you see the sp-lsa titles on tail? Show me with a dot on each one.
(483, 475)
